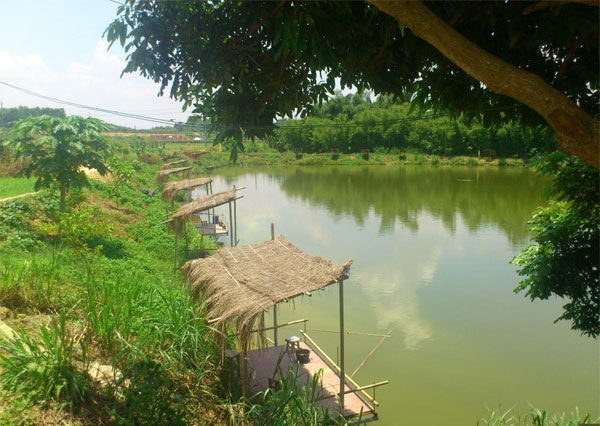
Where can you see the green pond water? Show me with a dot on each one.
(431, 249)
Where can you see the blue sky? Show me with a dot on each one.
(55, 48)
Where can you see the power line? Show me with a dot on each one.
(172, 122)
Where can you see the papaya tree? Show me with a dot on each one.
(55, 150)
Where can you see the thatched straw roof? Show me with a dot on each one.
(164, 174)
(240, 283)
(173, 163)
(172, 188)
(200, 204)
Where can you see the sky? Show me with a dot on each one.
(56, 48)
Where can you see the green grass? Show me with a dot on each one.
(11, 186)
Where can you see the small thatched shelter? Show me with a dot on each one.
(172, 188)
(164, 174)
(173, 163)
(240, 283)
(200, 204)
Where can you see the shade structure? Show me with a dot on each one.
(198, 205)
(164, 174)
(172, 188)
(240, 283)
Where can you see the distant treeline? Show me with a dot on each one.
(353, 123)
(8, 115)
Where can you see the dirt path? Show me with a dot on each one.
(14, 197)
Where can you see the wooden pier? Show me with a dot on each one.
(264, 366)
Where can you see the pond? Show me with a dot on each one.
(431, 249)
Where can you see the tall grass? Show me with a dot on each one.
(536, 417)
(45, 369)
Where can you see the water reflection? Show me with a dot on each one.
(481, 196)
(431, 248)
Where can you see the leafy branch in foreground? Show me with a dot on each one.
(564, 260)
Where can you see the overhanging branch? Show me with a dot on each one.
(577, 132)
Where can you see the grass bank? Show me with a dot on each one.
(11, 186)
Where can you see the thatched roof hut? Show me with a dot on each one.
(173, 163)
(172, 188)
(200, 204)
(240, 283)
(164, 174)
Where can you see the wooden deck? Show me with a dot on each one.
(211, 228)
(262, 364)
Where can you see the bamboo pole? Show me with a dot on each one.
(186, 240)
(342, 334)
(175, 253)
(352, 332)
(235, 239)
(364, 361)
(230, 222)
(275, 305)
(359, 389)
(335, 367)
(270, 328)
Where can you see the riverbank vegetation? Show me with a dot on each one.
(354, 123)
(96, 325)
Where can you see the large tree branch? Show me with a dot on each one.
(577, 132)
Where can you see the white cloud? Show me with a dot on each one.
(96, 82)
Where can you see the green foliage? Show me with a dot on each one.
(245, 64)
(564, 260)
(535, 417)
(10, 187)
(9, 115)
(290, 405)
(122, 173)
(78, 226)
(46, 369)
(57, 149)
(151, 397)
(352, 123)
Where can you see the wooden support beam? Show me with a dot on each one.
(230, 225)
(342, 334)
(275, 325)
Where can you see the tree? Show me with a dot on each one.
(57, 148)
(565, 260)
(243, 64)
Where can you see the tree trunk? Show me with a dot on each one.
(63, 196)
(577, 132)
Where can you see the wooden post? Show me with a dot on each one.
(244, 369)
(175, 253)
(230, 225)
(235, 239)
(342, 372)
(275, 340)
(185, 235)
(272, 231)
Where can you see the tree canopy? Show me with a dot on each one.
(354, 122)
(244, 64)
(10, 115)
(564, 261)
(56, 148)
